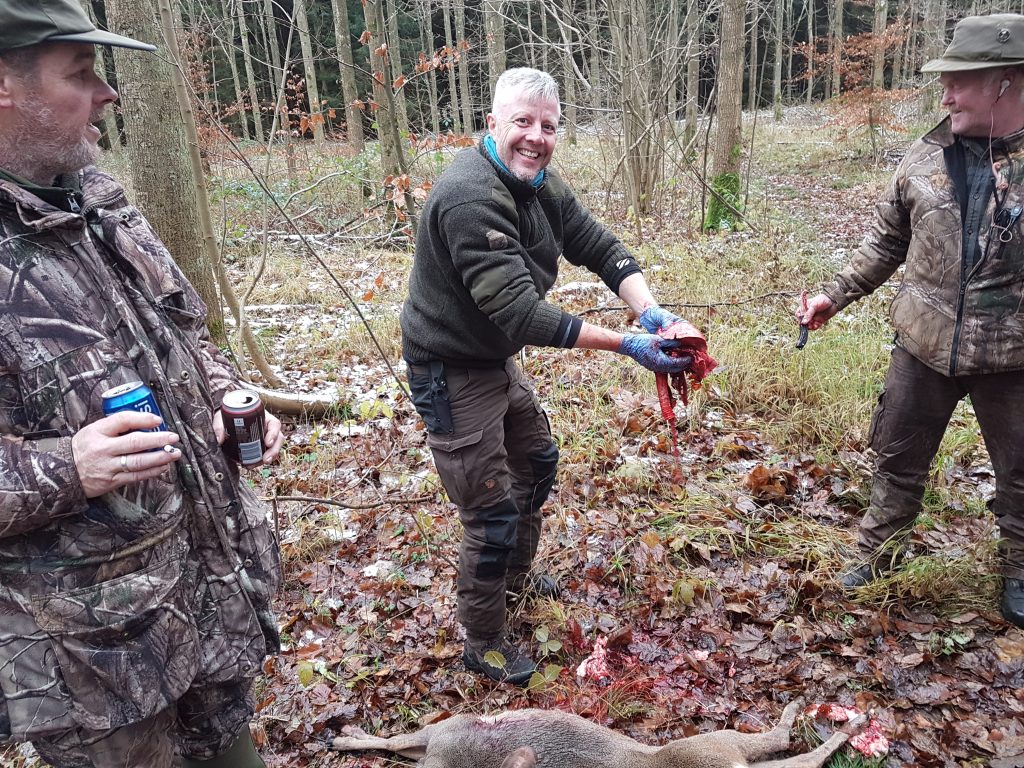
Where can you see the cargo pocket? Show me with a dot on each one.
(449, 452)
(126, 648)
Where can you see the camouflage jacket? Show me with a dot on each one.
(112, 607)
(955, 321)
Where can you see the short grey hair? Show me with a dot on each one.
(22, 61)
(531, 83)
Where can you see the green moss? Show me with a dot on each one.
(725, 197)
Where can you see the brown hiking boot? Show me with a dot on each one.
(505, 664)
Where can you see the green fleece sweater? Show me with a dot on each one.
(487, 252)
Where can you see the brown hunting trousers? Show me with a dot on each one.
(492, 447)
(913, 412)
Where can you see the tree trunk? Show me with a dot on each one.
(494, 28)
(395, 61)
(725, 163)
(594, 73)
(452, 45)
(343, 41)
(427, 41)
(777, 60)
(228, 47)
(315, 111)
(835, 37)
(693, 27)
(752, 68)
(162, 176)
(643, 88)
(811, 49)
(878, 54)
(102, 67)
(468, 123)
(569, 76)
(544, 35)
(250, 75)
(384, 117)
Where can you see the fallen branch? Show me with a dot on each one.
(289, 404)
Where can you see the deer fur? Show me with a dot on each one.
(525, 738)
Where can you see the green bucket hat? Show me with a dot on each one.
(983, 42)
(28, 22)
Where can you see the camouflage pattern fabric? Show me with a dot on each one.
(111, 608)
(918, 224)
(206, 723)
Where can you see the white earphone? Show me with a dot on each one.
(1003, 86)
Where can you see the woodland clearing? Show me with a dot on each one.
(715, 589)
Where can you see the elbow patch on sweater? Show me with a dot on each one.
(490, 291)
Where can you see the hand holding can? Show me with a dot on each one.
(244, 426)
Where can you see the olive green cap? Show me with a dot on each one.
(29, 22)
(983, 42)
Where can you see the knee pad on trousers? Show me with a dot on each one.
(545, 465)
(496, 526)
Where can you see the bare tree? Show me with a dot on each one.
(494, 28)
(779, 29)
(228, 48)
(250, 75)
(343, 41)
(312, 89)
(468, 124)
(395, 61)
(453, 94)
(835, 48)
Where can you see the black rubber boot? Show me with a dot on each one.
(1012, 604)
(865, 570)
(241, 754)
(530, 586)
(512, 666)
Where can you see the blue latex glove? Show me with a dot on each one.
(649, 351)
(654, 319)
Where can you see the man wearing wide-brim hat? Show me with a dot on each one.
(136, 569)
(954, 216)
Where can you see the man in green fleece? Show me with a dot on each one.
(487, 252)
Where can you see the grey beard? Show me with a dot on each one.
(39, 153)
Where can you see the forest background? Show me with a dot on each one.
(283, 149)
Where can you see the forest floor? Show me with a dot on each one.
(713, 581)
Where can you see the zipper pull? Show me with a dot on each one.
(73, 205)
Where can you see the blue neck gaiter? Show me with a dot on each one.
(492, 151)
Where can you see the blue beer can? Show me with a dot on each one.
(133, 396)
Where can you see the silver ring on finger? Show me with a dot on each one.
(124, 462)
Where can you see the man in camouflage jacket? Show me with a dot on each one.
(952, 217)
(136, 570)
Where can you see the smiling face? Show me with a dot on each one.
(976, 107)
(47, 112)
(525, 131)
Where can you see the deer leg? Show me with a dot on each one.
(817, 757)
(751, 745)
(412, 745)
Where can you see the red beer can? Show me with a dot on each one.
(243, 413)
